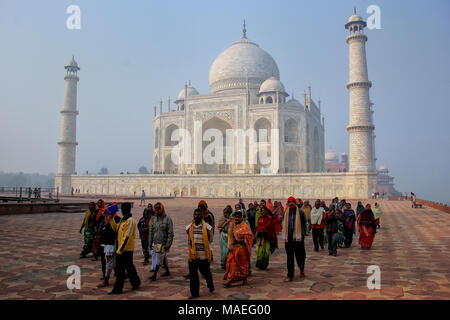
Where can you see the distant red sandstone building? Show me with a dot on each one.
(385, 181)
(332, 163)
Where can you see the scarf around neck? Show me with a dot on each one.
(297, 235)
(192, 251)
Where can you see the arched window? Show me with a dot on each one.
(170, 167)
(263, 132)
(291, 162)
(291, 131)
(168, 138)
(215, 167)
(269, 100)
(261, 101)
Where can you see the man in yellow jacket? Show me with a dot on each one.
(126, 237)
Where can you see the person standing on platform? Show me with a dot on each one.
(199, 253)
(294, 229)
(142, 199)
(126, 237)
(317, 225)
(161, 235)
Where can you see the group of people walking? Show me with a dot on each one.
(240, 229)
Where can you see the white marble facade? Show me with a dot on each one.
(246, 93)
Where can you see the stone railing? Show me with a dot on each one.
(431, 204)
(434, 205)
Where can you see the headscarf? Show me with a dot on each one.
(162, 210)
(377, 211)
(202, 202)
(101, 208)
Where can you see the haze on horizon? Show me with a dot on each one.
(133, 54)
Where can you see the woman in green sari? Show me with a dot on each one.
(266, 242)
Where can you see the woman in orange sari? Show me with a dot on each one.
(240, 240)
(367, 227)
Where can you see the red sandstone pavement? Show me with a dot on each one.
(412, 250)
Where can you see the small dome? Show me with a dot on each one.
(331, 156)
(191, 91)
(355, 18)
(271, 84)
(383, 168)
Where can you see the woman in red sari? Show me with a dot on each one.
(240, 240)
(367, 227)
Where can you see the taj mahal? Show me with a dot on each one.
(274, 142)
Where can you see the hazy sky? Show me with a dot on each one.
(133, 53)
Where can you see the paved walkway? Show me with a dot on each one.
(412, 250)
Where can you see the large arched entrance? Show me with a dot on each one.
(213, 150)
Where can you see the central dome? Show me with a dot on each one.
(241, 61)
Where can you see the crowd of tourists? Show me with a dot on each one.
(260, 225)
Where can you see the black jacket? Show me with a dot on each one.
(108, 235)
(331, 222)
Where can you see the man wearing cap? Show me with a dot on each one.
(294, 230)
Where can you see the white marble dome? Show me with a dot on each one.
(243, 59)
(331, 156)
(271, 84)
(191, 91)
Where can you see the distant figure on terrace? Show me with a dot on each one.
(142, 198)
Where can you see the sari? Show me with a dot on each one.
(277, 214)
(266, 241)
(377, 213)
(341, 229)
(238, 259)
(223, 242)
(367, 228)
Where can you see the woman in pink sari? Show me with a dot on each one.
(367, 227)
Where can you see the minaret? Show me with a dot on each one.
(68, 143)
(361, 126)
